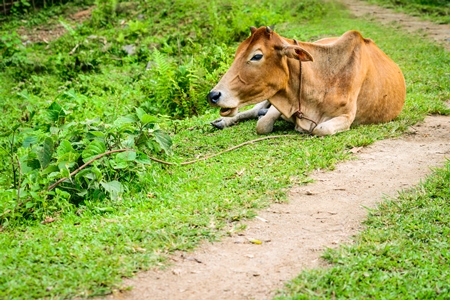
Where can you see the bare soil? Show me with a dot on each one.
(288, 238)
(53, 30)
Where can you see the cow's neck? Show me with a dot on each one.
(293, 101)
(329, 60)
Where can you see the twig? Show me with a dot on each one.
(166, 162)
(5, 213)
(20, 178)
(74, 49)
(12, 159)
(87, 164)
(236, 147)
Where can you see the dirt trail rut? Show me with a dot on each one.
(320, 215)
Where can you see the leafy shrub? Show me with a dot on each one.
(10, 44)
(58, 164)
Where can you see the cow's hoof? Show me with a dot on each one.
(219, 124)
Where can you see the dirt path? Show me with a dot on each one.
(319, 215)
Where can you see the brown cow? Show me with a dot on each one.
(341, 81)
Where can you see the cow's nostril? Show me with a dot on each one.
(214, 97)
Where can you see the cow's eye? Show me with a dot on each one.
(256, 57)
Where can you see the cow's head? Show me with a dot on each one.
(259, 71)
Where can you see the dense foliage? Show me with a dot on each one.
(20, 7)
(108, 83)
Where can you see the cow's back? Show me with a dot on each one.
(383, 91)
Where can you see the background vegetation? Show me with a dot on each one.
(17, 7)
(133, 77)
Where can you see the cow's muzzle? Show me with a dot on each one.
(214, 97)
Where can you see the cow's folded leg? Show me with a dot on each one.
(333, 126)
(265, 123)
(262, 112)
(245, 115)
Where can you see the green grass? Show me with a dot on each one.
(435, 10)
(95, 242)
(402, 254)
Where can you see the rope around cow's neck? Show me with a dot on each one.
(299, 114)
(166, 162)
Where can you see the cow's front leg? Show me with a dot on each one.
(246, 115)
(333, 126)
(265, 123)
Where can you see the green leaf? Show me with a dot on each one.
(85, 173)
(30, 141)
(122, 159)
(125, 120)
(114, 188)
(82, 193)
(50, 169)
(55, 111)
(93, 149)
(126, 156)
(45, 152)
(164, 140)
(64, 147)
(145, 119)
(140, 113)
(117, 165)
(129, 141)
(143, 159)
(68, 158)
(64, 172)
(96, 133)
(70, 94)
(89, 176)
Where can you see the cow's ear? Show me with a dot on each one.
(298, 53)
(269, 32)
(252, 29)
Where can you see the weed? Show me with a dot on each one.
(84, 161)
